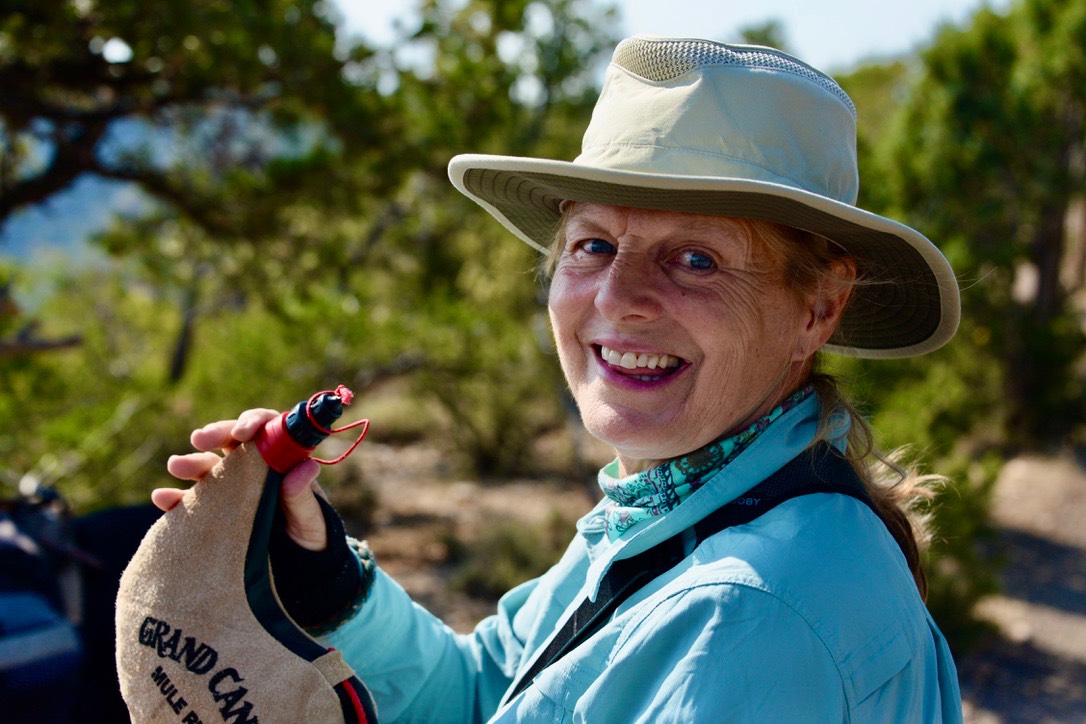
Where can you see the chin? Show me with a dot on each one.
(640, 442)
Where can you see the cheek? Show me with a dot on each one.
(780, 329)
(568, 298)
(754, 324)
(558, 306)
(562, 307)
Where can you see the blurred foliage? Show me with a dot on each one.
(770, 33)
(960, 561)
(978, 142)
(309, 235)
(196, 102)
(300, 232)
(988, 156)
(506, 554)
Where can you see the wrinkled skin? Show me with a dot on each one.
(689, 286)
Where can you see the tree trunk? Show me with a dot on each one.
(181, 349)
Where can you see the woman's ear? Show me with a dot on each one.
(825, 307)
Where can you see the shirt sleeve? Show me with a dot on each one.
(720, 652)
(418, 669)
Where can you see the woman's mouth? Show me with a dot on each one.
(644, 366)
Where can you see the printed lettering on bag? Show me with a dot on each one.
(200, 659)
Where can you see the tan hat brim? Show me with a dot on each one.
(909, 302)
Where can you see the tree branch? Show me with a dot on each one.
(20, 346)
(185, 200)
(70, 160)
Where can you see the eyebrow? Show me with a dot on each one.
(698, 225)
(709, 225)
(693, 225)
(582, 225)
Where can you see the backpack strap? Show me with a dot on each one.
(818, 469)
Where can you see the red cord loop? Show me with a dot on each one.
(345, 396)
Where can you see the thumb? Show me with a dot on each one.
(305, 521)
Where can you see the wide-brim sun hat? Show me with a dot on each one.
(743, 131)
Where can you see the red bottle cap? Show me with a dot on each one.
(279, 450)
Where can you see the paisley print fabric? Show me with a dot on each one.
(653, 492)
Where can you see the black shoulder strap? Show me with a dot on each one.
(818, 469)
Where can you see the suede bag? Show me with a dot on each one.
(201, 633)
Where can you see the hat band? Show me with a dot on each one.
(682, 162)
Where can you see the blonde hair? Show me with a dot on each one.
(811, 263)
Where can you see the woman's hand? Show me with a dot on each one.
(305, 523)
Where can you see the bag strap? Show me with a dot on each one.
(818, 469)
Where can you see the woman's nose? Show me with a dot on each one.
(629, 291)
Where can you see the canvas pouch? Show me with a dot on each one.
(201, 634)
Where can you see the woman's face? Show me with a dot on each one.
(672, 329)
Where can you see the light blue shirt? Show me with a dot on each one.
(807, 614)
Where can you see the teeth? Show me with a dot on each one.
(631, 360)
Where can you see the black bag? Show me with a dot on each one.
(40, 645)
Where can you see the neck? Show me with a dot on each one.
(792, 378)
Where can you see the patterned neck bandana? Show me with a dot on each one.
(656, 491)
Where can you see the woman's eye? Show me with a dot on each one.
(697, 261)
(598, 246)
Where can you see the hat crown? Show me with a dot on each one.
(696, 108)
(664, 59)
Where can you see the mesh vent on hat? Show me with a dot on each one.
(663, 60)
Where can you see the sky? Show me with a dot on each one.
(833, 35)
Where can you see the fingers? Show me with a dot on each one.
(214, 436)
(166, 498)
(193, 466)
(305, 522)
(250, 422)
(228, 434)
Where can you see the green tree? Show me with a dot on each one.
(770, 32)
(509, 78)
(978, 143)
(180, 98)
(339, 255)
(988, 157)
(228, 116)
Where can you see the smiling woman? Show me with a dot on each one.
(751, 558)
(697, 292)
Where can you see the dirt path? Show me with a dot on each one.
(1035, 672)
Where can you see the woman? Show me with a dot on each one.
(702, 249)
